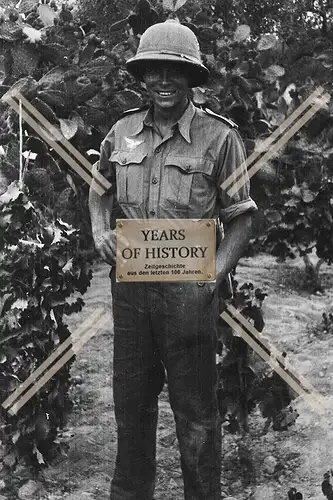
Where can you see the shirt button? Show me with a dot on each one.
(158, 149)
(154, 180)
(152, 212)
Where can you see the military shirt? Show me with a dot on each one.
(178, 175)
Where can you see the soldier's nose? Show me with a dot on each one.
(164, 75)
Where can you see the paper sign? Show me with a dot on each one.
(166, 250)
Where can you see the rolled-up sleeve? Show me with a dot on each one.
(103, 166)
(233, 180)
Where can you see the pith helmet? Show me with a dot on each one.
(173, 42)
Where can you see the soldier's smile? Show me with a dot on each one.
(165, 94)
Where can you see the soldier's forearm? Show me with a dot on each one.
(100, 208)
(231, 248)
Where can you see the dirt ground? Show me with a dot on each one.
(262, 466)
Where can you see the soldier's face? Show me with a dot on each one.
(167, 85)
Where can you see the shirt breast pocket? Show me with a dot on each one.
(129, 177)
(187, 183)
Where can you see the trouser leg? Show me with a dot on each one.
(138, 377)
(187, 339)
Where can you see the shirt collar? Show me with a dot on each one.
(184, 122)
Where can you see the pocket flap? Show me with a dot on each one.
(127, 157)
(191, 165)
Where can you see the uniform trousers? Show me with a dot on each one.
(165, 328)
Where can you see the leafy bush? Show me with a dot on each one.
(76, 80)
(43, 264)
(302, 221)
(244, 384)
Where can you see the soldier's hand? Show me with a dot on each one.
(105, 243)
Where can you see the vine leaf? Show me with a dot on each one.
(45, 110)
(54, 52)
(119, 51)
(39, 456)
(54, 98)
(20, 304)
(68, 267)
(83, 128)
(68, 128)
(86, 54)
(92, 116)
(26, 5)
(242, 33)
(10, 32)
(267, 42)
(3, 301)
(199, 96)
(32, 34)
(326, 58)
(179, 4)
(144, 18)
(46, 14)
(26, 86)
(52, 79)
(10, 460)
(97, 66)
(282, 105)
(127, 99)
(168, 5)
(307, 195)
(25, 60)
(71, 183)
(273, 217)
(12, 194)
(274, 71)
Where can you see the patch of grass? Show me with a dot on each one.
(327, 278)
(84, 399)
(297, 279)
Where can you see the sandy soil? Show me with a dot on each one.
(262, 466)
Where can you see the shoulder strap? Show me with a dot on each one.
(223, 119)
(134, 110)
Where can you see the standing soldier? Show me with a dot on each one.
(169, 161)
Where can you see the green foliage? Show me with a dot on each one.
(324, 328)
(302, 221)
(299, 220)
(243, 382)
(43, 264)
(77, 81)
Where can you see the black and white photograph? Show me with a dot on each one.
(166, 250)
